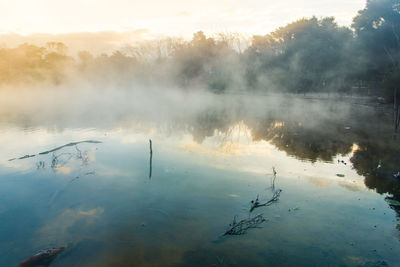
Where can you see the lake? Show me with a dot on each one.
(83, 176)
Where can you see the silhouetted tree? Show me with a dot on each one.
(378, 35)
(307, 55)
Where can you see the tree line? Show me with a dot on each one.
(308, 55)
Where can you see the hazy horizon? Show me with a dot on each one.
(106, 28)
(176, 18)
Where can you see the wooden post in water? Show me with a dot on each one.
(396, 113)
(151, 158)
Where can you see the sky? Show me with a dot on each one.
(161, 17)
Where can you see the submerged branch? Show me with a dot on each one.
(257, 204)
(43, 258)
(69, 144)
(240, 228)
(57, 148)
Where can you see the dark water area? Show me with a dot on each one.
(88, 182)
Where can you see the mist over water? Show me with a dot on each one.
(221, 150)
(212, 155)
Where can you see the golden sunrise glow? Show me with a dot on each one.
(354, 148)
(278, 124)
(176, 17)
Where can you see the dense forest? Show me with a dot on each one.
(308, 55)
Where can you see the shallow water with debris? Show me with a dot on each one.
(95, 192)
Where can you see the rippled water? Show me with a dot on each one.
(98, 200)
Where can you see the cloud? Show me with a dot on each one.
(60, 226)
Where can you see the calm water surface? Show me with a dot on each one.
(97, 198)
